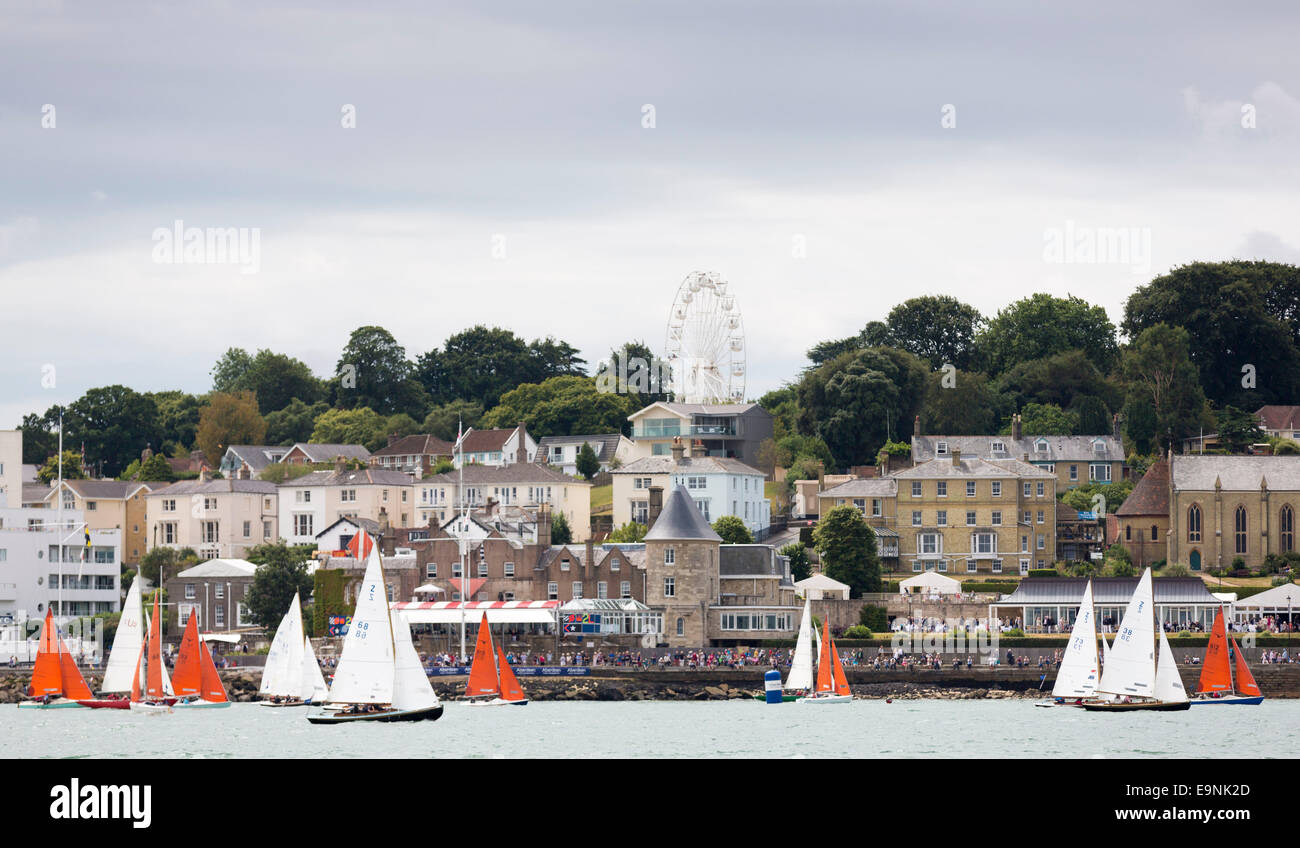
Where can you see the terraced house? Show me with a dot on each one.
(526, 485)
(218, 518)
(310, 503)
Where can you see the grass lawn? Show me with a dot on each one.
(602, 498)
(770, 489)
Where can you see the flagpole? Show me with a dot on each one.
(60, 519)
(460, 541)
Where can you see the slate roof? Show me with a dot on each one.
(483, 441)
(220, 568)
(1059, 448)
(329, 453)
(102, 489)
(417, 445)
(945, 467)
(604, 444)
(681, 520)
(701, 408)
(864, 487)
(1236, 473)
(688, 465)
(749, 561)
(516, 472)
(256, 456)
(199, 487)
(1151, 495)
(1107, 591)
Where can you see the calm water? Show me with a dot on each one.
(864, 728)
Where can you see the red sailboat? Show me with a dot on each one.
(195, 679)
(492, 682)
(56, 681)
(832, 685)
(1221, 656)
(154, 698)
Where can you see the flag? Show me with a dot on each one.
(360, 545)
(460, 434)
(85, 552)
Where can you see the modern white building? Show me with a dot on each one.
(11, 469)
(719, 486)
(38, 557)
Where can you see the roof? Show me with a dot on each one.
(515, 472)
(681, 520)
(1151, 495)
(359, 477)
(370, 525)
(483, 441)
(1059, 448)
(964, 467)
(420, 444)
(1108, 591)
(35, 492)
(329, 453)
(1275, 417)
(688, 465)
(201, 487)
(863, 487)
(604, 444)
(257, 457)
(221, 568)
(1236, 473)
(821, 581)
(1279, 597)
(102, 489)
(934, 580)
(749, 561)
(699, 408)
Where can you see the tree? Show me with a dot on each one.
(968, 404)
(797, 553)
(560, 532)
(277, 380)
(361, 426)
(1040, 326)
(561, 406)
(157, 468)
(588, 464)
(72, 469)
(478, 364)
(1094, 417)
(783, 405)
(1236, 314)
(1064, 379)
(373, 372)
(178, 413)
(114, 423)
(167, 562)
(1046, 419)
(229, 419)
(443, 421)
(294, 423)
(552, 358)
(40, 436)
(939, 328)
(1161, 376)
(229, 369)
(630, 532)
(632, 356)
(847, 548)
(733, 531)
(1238, 430)
(282, 572)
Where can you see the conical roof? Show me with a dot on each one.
(681, 520)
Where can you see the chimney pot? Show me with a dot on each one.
(956, 456)
(1015, 426)
(916, 426)
(677, 450)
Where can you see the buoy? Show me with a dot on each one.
(889, 700)
(772, 686)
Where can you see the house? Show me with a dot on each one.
(317, 499)
(728, 430)
(562, 451)
(719, 486)
(417, 455)
(1280, 421)
(1143, 518)
(109, 505)
(249, 461)
(877, 499)
(497, 447)
(306, 453)
(1074, 460)
(336, 536)
(215, 517)
(41, 562)
(521, 484)
(216, 591)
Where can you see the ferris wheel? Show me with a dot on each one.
(705, 347)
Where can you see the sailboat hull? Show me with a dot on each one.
(107, 704)
(1156, 706)
(201, 705)
(825, 699)
(282, 703)
(56, 705)
(497, 702)
(1231, 699)
(150, 709)
(427, 714)
(785, 699)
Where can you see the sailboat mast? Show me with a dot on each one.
(60, 520)
(460, 542)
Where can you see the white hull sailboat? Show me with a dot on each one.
(292, 676)
(1218, 684)
(1080, 670)
(832, 685)
(1134, 678)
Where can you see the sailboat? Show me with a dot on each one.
(379, 676)
(1134, 678)
(1080, 670)
(150, 688)
(1216, 686)
(56, 681)
(292, 676)
(800, 678)
(196, 682)
(492, 683)
(122, 659)
(832, 686)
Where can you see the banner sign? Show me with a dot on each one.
(580, 622)
(338, 624)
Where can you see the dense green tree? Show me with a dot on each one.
(1160, 374)
(40, 436)
(846, 546)
(229, 419)
(114, 423)
(732, 530)
(229, 369)
(362, 426)
(561, 406)
(783, 405)
(277, 379)
(479, 364)
(1083, 497)
(282, 572)
(800, 567)
(168, 561)
(1238, 429)
(629, 358)
(938, 328)
(178, 413)
(1094, 417)
(552, 358)
(373, 372)
(72, 469)
(1046, 419)
(963, 404)
(1063, 378)
(630, 532)
(1236, 314)
(1041, 326)
(156, 468)
(443, 421)
(560, 532)
(294, 423)
(588, 464)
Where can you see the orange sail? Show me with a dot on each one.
(186, 675)
(841, 682)
(483, 672)
(825, 676)
(510, 688)
(209, 680)
(135, 678)
(74, 685)
(153, 665)
(1246, 684)
(1215, 674)
(47, 677)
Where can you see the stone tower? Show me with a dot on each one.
(681, 564)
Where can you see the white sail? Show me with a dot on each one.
(365, 671)
(126, 644)
(1131, 665)
(313, 682)
(1105, 647)
(1078, 675)
(1169, 685)
(167, 680)
(282, 674)
(801, 667)
(411, 689)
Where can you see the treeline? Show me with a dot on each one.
(481, 377)
(1203, 347)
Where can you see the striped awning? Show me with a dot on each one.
(498, 612)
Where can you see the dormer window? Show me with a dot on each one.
(1041, 446)
(1099, 446)
(999, 447)
(941, 449)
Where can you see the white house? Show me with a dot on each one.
(562, 451)
(718, 485)
(497, 447)
(37, 557)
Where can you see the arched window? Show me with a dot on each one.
(1286, 525)
(1194, 523)
(681, 627)
(1239, 530)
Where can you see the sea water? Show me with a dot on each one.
(725, 729)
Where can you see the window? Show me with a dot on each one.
(169, 505)
(209, 503)
(641, 512)
(703, 506)
(1028, 488)
(1239, 530)
(302, 524)
(1040, 516)
(1128, 532)
(219, 590)
(670, 588)
(510, 569)
(552, 591)
(248, 529)
(929, 543)
(941, 489)
(997, 488)
(625, 589)
(219, 612)
(916, 518)
(681, 627)
(1286, 524)
(189, 591)
(670, 556)
(640, 482)
(997, 566)
(1099, 471)
(1042, 541)
(1040, 489)
(1040, 446)
(876, 508)
(1024, 544)
(997, 518)
(1194, 523)
(1028, 518)
(349, 495)
(431, 570)
(1153, 532)
(602, 590)
(916, 488)
(983, 543)
(941, 449)
(999, 447)
(577, 589)
(942, 518)
(564, 564)
(970, 518)
(209, 531)
(91, 506)
(303, 496)
(1024, 567)
(482, 568)
(168, 532)
(859, 504)
(970, 488)
(614, 563)
(1074, 473)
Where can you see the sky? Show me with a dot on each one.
(560, 168)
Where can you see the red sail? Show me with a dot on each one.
(483, 672)
(841, 682)
(510, 688)
(1215, 674)
(209, 680)
(74, 685)
(185, 676)
(1246, 684)
(47, 678)
(825, 677)
(153, 663)
(135, 678)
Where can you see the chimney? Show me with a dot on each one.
(656, 505)
(590, 561)
(204, 475)
(244, 473)
(1015, 426)
(491, 507)
(697, 449)
(677, 449)
(956, 457)
(1115, 427)
(916, 426)
(392, 437)
(522, 454)
(340, 464)
(544, 524)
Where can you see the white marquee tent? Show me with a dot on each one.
(819, 587)
(930, 583)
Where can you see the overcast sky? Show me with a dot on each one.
(774, 125)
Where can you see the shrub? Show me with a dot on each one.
(1184, 634)
(858, 631)
(873, 618)
(1014, 633)
(1178, 569)
(1044, 572)
(806, 536)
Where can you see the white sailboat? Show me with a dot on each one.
(379, 676)
(120, 668)
(1133, 678)
(1080, 669)
(800, 678)
(292, 676)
